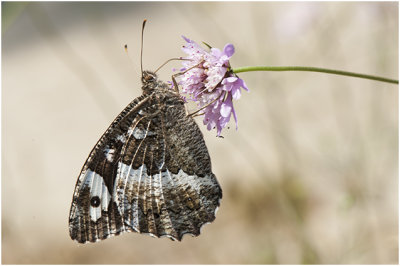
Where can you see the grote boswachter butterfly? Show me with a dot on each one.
(150, 172)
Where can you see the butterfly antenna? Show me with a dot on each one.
(130, 59)
(169, 60)
(141, 47)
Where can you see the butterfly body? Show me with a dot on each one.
(150, 172)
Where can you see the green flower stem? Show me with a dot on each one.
(313, 69)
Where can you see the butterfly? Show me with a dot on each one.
(150, 172)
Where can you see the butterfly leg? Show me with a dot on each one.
(182, 73)
(202, 108)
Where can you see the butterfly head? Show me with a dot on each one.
(148, 77)
(150, 81)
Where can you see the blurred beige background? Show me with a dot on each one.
(311, 176)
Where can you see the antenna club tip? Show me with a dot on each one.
(141, 47)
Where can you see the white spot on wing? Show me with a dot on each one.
(109, 153)
(97, 188)
(121, 138)
(139, 133)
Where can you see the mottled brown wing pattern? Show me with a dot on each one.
(164, 185)
(150, 173)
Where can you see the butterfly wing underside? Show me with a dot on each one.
(150, 173)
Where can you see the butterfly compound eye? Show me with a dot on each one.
(95, 201)
(148, 77)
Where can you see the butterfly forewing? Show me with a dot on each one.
(89, 220)
(150, 172)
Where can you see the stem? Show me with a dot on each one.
(313, 69)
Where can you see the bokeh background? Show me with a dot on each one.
(310, 176)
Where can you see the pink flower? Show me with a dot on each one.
(209, 81)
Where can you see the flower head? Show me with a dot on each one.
(209, 81)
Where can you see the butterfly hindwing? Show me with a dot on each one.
(150, 172)
(164, 185)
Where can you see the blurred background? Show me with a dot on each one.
(310, 176)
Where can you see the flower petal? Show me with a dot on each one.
(234, 116)
(243, 85)
(229, 80)
(236, 93)
(226, 109)
(229, 50)
(186, 39)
